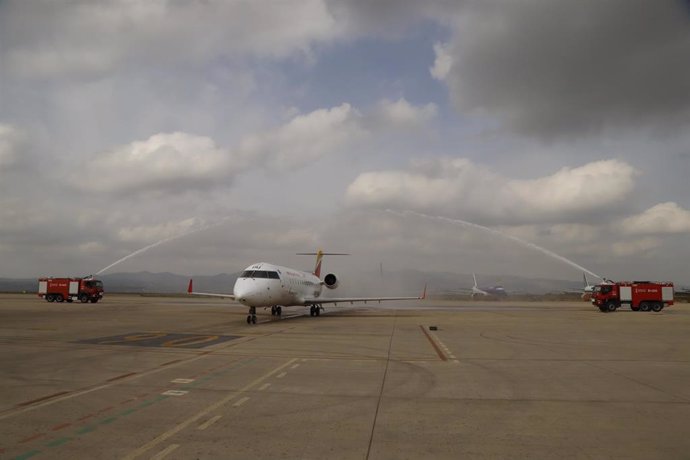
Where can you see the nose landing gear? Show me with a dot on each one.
(315, 310)
(251, 317)
(276, 310)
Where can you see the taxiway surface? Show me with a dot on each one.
(180, 378)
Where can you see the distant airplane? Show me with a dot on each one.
(268, 285)
(489, 291)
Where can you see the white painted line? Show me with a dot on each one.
(182, 425)
(182, 381)
(175, 393)
(281, 375)
(294, 366)
(241, 401)
(165, 452)
(264, 386)
(456, 361)
(209, 422)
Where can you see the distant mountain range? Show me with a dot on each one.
(403, 282)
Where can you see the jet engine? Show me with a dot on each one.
(331, 281)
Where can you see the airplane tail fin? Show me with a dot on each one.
(474, 276)
(584, 277)
(319, 255)
(189, 288)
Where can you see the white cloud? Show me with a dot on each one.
(663, 218)
(163, 161)
(459, 187)
(304, 139)
(443, 62)
(401, 114)
(45, 40)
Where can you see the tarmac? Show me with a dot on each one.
(146, 377)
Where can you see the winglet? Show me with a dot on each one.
(189, 288)
(423, 293)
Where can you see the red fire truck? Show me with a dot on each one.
(69, 289)
(638, 295)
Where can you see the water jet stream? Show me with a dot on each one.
(500, 234)
(158, 243)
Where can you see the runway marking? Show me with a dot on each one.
(179, 427)
(433, 344)
(31, 438)
(94, 426)
(294, 366)
(264, 386)
(121, 377)
(209, 422)
(182, 381)
(26, 403)
(59, 427)
(281, 375)
(165, 452)
(241, 401)
(54, 398)
(175, 393)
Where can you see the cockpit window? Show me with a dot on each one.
(259, 274)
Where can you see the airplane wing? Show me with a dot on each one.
(336, 300)
(190, 291)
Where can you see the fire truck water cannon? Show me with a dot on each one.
(638, 295)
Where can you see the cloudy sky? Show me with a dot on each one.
(258, 129)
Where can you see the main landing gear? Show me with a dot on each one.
(276, 310)
(251, 317)
(315, 310)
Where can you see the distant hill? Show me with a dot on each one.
(402, 282)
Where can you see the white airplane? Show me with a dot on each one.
(492, 291)
(268, 285)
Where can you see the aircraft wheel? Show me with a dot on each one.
(656, 306)
(317, 311)
(273, 310)
(311, 311)
(249, 319)
(279, 311)
(253, 319)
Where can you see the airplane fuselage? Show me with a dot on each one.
(264, 285)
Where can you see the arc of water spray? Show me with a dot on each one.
(500, 234)
(164, 240)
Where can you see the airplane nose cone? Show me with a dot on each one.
(247, 293)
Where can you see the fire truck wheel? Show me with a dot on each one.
(611, 306)
(59, 298)
(69, 300)
(83, 298)
(644, 306)
(94, 300)
(657, 306)
(602, 309)
(50, 298)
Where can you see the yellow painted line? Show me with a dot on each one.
(181, 426)
(241, 401)
(209, 422)
(165, 452)
(264, 386)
